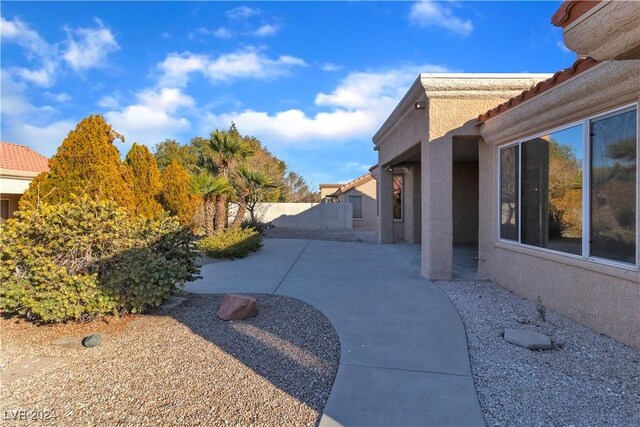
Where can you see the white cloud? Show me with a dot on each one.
(242, 12)
(353, 166)
(22, 34)
(57, 97)
(356, 108)
(242, 64)
(266, 31)
(427, 13)
(155, 117)
(108, 101)
(222, 33)
(563, 47)
(36, 48)
(43, 139)
(328, 66)
(89, 47)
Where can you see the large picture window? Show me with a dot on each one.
(543, 181)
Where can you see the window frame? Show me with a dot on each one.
(586, 187)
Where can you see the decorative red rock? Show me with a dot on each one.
(237, 307)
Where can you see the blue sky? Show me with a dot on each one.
(314, 80)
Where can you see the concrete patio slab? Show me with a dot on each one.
(404, 357)
(258, 273)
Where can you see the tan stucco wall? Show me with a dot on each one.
(603, 297)
(327, 189)
(369, 204)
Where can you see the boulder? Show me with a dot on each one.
(92, 340)
(527, 339)
(237, 307)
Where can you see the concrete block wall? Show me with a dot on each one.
(309, 216)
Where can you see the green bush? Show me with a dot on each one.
(231, 243)
(83, 259)
(255, 224)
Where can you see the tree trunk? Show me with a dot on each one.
(221, 215)
(242, 209)
(208, 216)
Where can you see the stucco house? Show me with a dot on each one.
(361, 193)
(537, 174)
(18, 166)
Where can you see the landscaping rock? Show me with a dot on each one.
(527, 339)
(92, 340)
(237, 307)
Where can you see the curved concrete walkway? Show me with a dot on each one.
(404, 358)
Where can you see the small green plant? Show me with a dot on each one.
(255, 224)
(541, 309)
(231, 243)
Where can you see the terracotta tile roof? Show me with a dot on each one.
(581, 65)
(20, 158)
(571, 10)
(353, 184)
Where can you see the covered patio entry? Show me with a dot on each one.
(428, 168)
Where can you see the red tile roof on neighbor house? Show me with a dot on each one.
(581, 65)
(20, 158)
(571, 10)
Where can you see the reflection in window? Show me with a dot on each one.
(509, 193)
(356, 201)
(552, 191)
(613, 187)
(397, 196)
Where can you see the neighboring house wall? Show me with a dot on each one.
(19, 165)
(367, 193)
(308, 216)
(602, 295)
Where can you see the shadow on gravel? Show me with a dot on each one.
(289, 343)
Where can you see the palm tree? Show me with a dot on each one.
(209, 187)
(248, 184)
(228, 150)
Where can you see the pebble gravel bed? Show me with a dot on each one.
(587, 379)
(354, 235)
(183, 367)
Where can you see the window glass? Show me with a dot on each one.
(552, 191)
(398, 185)
(509, 193)
(356, 201)
(613, 187)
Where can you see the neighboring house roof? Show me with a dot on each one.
(15, 157)
(344, 188)
(581, 65)
(571, 10)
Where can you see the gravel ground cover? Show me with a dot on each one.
(587, 379)
(181, 367)
(355, 235)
